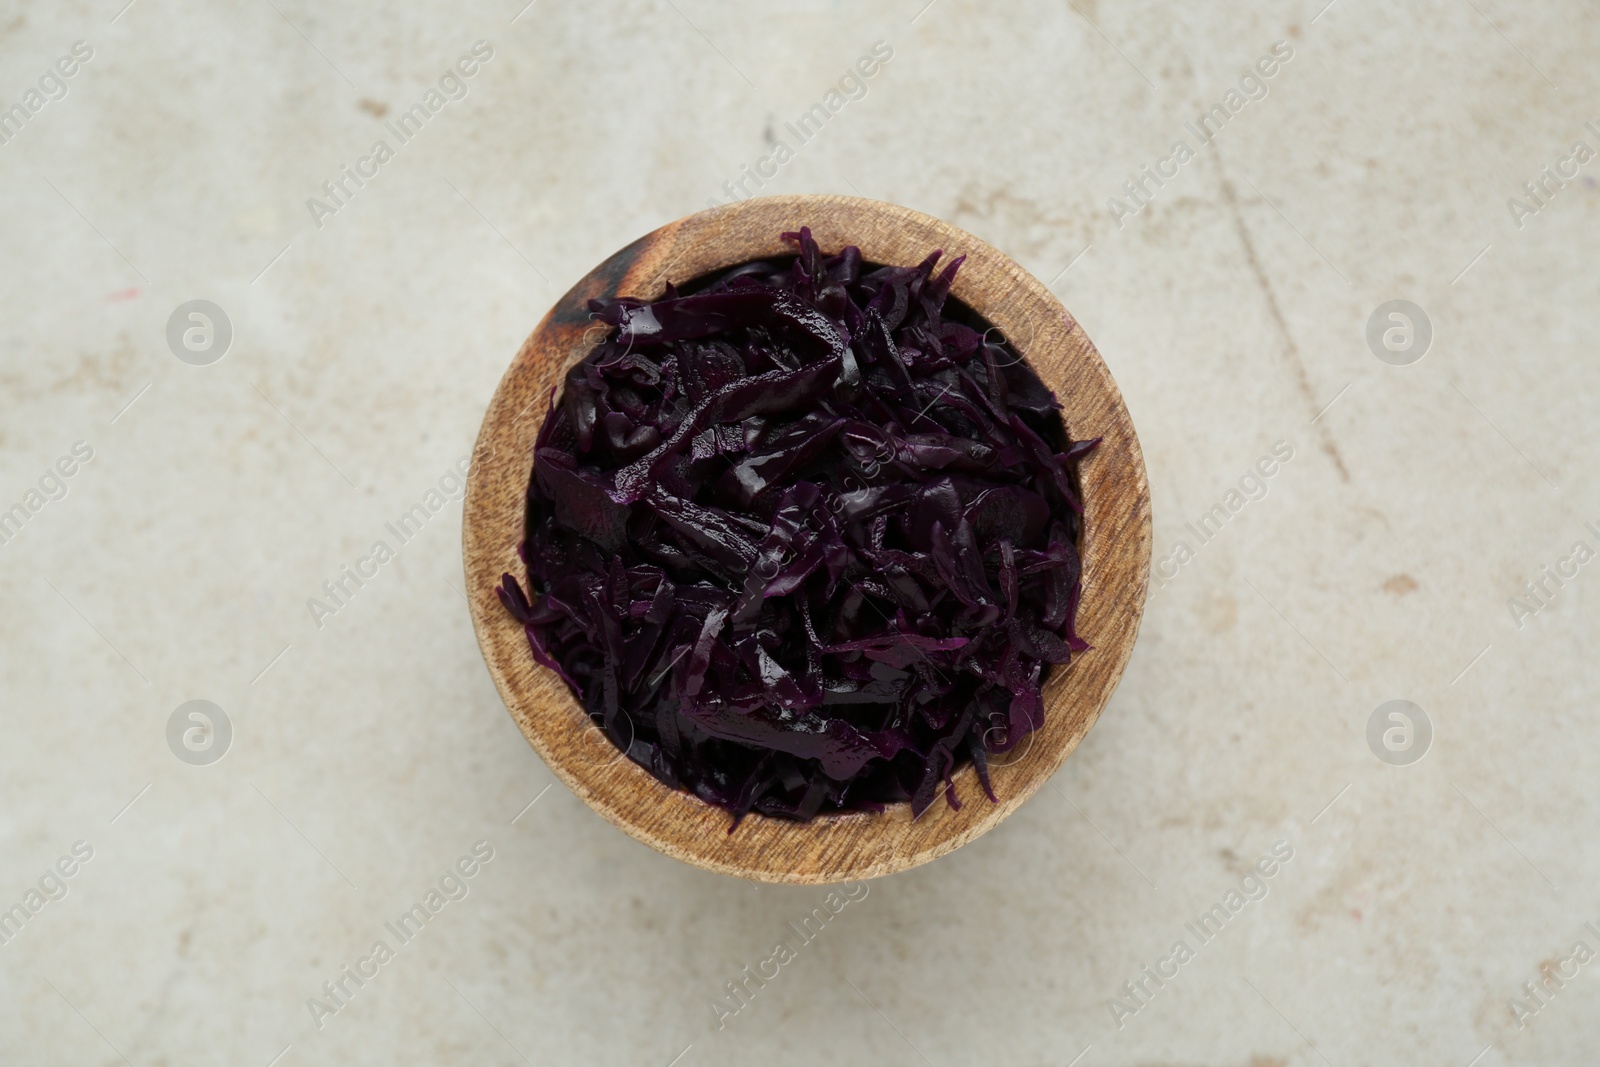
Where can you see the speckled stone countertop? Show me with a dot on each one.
(1356, 502)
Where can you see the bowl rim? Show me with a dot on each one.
(1115, 539)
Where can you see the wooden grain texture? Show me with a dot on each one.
(1115, 544)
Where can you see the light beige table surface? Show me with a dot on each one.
(369, 751)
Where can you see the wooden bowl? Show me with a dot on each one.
(1115, 544)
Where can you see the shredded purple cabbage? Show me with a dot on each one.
(804, 540)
